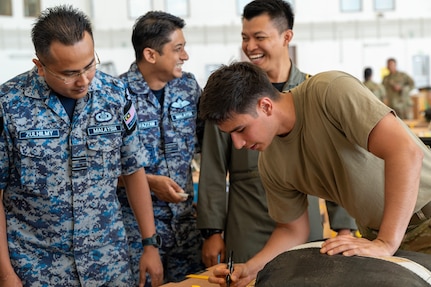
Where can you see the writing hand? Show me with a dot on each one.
(240, 277)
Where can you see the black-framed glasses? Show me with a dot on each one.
(71, 77)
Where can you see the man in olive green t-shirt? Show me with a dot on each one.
(330, 137)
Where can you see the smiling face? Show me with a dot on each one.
(263, 44)
(65, 61)
(173, 56)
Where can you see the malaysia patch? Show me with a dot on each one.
(103, 116)
(130, 117)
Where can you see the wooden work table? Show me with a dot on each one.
(194, 282)
(420, 128)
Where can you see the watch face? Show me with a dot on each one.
(158, 240)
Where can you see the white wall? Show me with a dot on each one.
(325, 38)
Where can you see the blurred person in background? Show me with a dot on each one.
(398, 86)
(377, 89)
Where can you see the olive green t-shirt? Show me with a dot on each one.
(326, 153)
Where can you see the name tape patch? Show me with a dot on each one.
(148, 124)
(100, 130)
(39, 134)
(183, 115)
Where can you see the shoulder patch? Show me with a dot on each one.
(130, 117)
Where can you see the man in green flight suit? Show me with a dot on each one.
(240, 222)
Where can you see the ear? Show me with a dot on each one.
(265, 105)
(149, 55)
(40, 70)
(288, 36)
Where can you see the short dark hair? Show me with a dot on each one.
(235, 88)
(279, 11)
(368, 73)
(153, 30)
(61, 23)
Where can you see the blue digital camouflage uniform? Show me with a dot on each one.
(168, 134)
(64, 221)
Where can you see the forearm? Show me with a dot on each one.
(390, 141)
(402, 176)
(283, 238)
(151, 179)
(5, 264)
(138, 194)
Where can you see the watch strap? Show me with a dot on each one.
(206, 233)
(154, 240)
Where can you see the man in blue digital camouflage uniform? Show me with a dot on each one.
(67, 134)
(166, 100)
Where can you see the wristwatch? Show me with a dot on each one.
(154, 240)
(206, 233)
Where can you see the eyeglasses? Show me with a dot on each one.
(68, 78)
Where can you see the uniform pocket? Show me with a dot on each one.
(33, 164)
(184, 124)
(104, 156)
